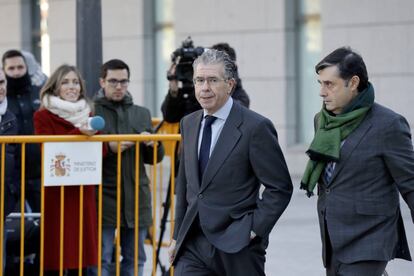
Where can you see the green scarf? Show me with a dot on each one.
(331, 130)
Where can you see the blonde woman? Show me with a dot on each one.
(65, 110)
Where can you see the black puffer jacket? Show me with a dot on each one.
(8, 126)
(23, 101)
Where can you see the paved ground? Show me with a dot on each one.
(295, 247)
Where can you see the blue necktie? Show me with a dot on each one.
(205, 144)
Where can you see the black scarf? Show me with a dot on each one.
(18, 85)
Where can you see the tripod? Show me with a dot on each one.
(164, 218)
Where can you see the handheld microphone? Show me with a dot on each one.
(96, 123)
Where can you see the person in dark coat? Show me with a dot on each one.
(8, 126)
(228, 153)
(114, 103)
(361, 161)
(239, 94)
(65, 110)
(23, 101)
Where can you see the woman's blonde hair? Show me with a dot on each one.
(53, 84)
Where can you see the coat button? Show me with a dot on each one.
(327, 191)
(200, 196)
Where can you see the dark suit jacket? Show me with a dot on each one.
(360, 205)
(227, 201)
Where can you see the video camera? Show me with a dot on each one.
(174, 108)
(183, 58)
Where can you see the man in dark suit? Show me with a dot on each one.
(362, 158)
(222, 222)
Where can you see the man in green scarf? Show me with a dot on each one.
(361, 158)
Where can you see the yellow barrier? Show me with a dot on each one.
(171, 139)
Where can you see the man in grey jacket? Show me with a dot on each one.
(361, 158)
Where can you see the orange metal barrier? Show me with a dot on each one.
(166, 139)
(163, 127)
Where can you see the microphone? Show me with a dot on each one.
(96, 123)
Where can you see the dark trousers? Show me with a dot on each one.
(33, 194)
(67, 272)
(365, 268)
(200, 258)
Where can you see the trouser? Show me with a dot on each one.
(67, 272)
(33, 194)
(127, 250)
(200, 258)
(365, 268)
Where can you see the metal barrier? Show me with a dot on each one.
(170, 139)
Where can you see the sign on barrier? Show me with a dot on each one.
(72, 163)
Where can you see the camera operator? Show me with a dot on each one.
(180, 99)
(239, 94)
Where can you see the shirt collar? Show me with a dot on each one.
(223, 112)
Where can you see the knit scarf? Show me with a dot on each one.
(76, 113)
(331, 130)
(18, 85)
(3, 108)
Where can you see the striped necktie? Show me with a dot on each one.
(328, 172)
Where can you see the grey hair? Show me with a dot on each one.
(212, 56)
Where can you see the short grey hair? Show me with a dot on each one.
(212, 56)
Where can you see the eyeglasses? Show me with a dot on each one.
(212, 81)
(114, 82)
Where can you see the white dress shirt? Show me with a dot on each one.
(218, 124)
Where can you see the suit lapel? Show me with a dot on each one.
(228, 138)
(351, 142)
(192, 149)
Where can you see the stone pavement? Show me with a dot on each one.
(295, 247)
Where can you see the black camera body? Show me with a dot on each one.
(183, 58)
(185, 102)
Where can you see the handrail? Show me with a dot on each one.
(83, 138)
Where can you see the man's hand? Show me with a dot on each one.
(173, 83)
(124, 145)
(147, 143)
(171, 251)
